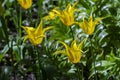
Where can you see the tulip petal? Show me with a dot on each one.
(25, 3)
(60, 52)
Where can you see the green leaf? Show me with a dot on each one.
(104, 63)
(3, 52)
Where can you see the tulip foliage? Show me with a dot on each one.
(59, 40)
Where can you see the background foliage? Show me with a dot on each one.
(101, 56)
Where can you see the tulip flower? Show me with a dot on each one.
(35, 35)
(73, 52)
(25, 3)
(89, 26)
(67, 15)
(51, 15)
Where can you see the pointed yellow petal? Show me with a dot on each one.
(39, 28)
(90, 21)
(25, 38)
(81, 43)
(47, 28)
(56, 11)
(59, 52)
(75, 3)
(68, 9)
(65, 18)
(51, 15)
(38, 40)
(72, 55)
(28, 29)
(66, 47)
(73, 45)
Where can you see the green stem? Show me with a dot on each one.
(38, 65)
(94, 57)
(40, 8)
(82, 72)
(72, 33)
(94, 66)
(15, 19)
(78, 73)
(34, 61)
(20, 23)
(16, 24)
(89, 60)
(66, 1)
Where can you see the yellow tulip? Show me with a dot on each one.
(73, 52)
(51, 15)
(66, 16)
(35, 35)
(25, 3)
(89, 26)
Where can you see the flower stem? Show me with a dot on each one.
(72, 33)
(37, 64)
(20, 23)
(79, 73)
(94, 57)
(19, 27)
(40, 2)
(39, 74)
